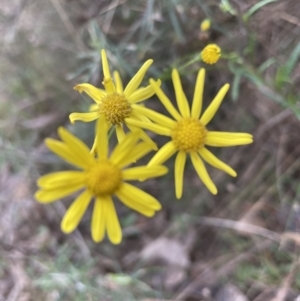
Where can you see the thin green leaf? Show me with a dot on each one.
(225, 6)
(291, 62)
(265, 65)
(256, 7)
(236, 86)
(175, 23)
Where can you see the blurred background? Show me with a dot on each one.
(242, 244)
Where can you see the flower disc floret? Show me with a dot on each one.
(189, 135)
(103, 178)
(115, 107)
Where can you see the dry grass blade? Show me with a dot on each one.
(294, 236)
(287, 17)
(240, 227)
(68, 24)
(21, 281)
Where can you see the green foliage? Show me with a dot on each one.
(265, 269)
(76, 279)
(284, 72)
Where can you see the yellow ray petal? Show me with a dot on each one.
(142, 93)
(94, 107)
(78, 148)
(128, 200)
(95, 93)
(211, 159)
(60, 179)
(75, 212)
(179, 170)
(139, 151)
(94, 147)
(182, 101)
(137, 79)
(165, 100)
(156, 117)
(141, 196)
(107, 80)
(156, 128)
(98, 220)
(163, 154)
(109, 85)
(202, 173)
(143, 136)
(85, 117)
(230, 135)
(118, 81)
(214, 106)
(138, 116)
(63, 151)
(120, 133)
(138, 196)
(198, 94)
(144, 172)
(223, 139)
(105, 64)
(113, 227)
(123, 149)
(102, 139)
(51, 195)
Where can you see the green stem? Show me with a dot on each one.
(190, 62)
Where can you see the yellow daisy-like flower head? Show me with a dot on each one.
(114, 103)
(189, 134)
(99, 178)
(211, 54)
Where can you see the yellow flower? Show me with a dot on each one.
(211, 54)
(205, 25)
(114, 104)
(189, 133)
(99, 178)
